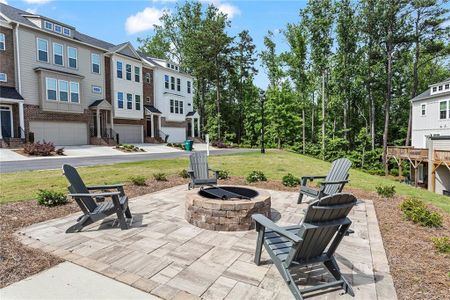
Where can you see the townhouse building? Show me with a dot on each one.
(60, 85)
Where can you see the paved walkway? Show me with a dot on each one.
(164, 255)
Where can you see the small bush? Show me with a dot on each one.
(39, 149)
(51, 198)
(138, 180)
(386, 191)
(290, 180)
(379, 172)
(222, 174)
(184, 173)
(160, 176)
(394, 172)
(219, 144)
(416, 211)
(60, 151)
(255, 176)
(442, 244)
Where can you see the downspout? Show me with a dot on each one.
(16, 42)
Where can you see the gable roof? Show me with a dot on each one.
(427, 93)
(9, 93)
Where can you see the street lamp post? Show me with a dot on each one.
(263, 97)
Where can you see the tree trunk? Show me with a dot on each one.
(387, 104)
(218, 99)
(312, 119)
(303, 130)
(323, 115)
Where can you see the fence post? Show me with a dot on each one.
(207, 144)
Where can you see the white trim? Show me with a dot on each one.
(4, 41)
(67, 90)
(47, 89)
(6, 77)
(68, 57)
(447, 110)
(54, 28)
(70, 32)
(78, 92)
(45, 25)
(99, 63)
(423, 109)
(17, 50)
(37, 50)
(54, 52)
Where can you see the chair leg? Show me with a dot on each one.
(122, 221)
(259, 245)
(333, 267)
(83, 221)
(293, 287)
(128, 213)
(300, 198)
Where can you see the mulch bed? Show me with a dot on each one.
(418, 271)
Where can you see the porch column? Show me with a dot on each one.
(21, 120)
(193, 127)
(112, 120)
(152, 126)
(98, 123)
(198, 128)
(159, 122)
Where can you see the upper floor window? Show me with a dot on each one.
(129, 101)
(180, 103)
(48, 25)
(423, 109)
(188, 87)
(119, 99)
(63, 90)
(74, 92)
(172, 106)
(58, 54)
(119, 69)
(51, 84)
(440, 88)
(3, 77)
(66, 31)
(443, 110)
(447, 86)
(95, 59)
(166, 81)
(128, 70)
(147, 77)
(434, 89)
(172, 83)
(42, 50)
(137, 74)
(72, 53)
(96, 89)
(176, 107)
(58, 28)
(137, 100)
(2, 41)
(178, 84)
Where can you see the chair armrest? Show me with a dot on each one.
(333, 182)
(108, 194)
(102, 187)
(216, 173)
(267, 223)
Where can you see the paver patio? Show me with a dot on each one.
(166, 256)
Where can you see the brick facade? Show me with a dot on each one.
(7, 62)
(129, 122)
(148, 91)
(165, 123)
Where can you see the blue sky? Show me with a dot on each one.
(119, 21)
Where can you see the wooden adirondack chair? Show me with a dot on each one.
(333, 182)
(94, 212)
(313, 241)
(199, 171)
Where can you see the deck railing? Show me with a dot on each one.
(442, 156)
(408, 153)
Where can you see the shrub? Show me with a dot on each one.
(184, 173)
(379, 172)
(60, 151)
(442, 244)
(416, 211)
(290, 180)
(394, 172)
(51, 198)
(255, 176)
(160, 176)
(222, 174)
(386, 191)
(138, 180)
(219, 144)
(39, 149)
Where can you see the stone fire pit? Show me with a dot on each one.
(226, 208)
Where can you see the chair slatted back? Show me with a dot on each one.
(199, 165)
(339, 171)
(320, 225)
(77, 186)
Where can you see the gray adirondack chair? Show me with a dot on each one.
(199, 171)
(333, 183)
(93, 212)
(313, 241)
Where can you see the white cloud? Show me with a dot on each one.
(4, 1)
(226, 8)
(37, 1)
(164, 1)
(143, 20)
(31, 10)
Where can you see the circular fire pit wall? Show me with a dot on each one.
(206, 210)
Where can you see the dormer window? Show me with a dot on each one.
(447, 86)
(440, 88)
(58, 28)
(66, 31)
(434, 89)
(48, 25)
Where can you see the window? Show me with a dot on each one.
(74, 92)
(443, 110)
(128, 69)
(176, 68)
(129, 101)
(42, 50)
(172, 83)
(120, 100)
(119, 69)
(189, 87)
(423, 109)
(137, 100)
(421, 173)
(48, 25)
(58, 54)
(66, 31)
(172, 109)
(95, 59)
(434, 89)
(147, 77)
(137, 76)
(168, 65)
(72, 53)
(51, 88)
(63, 90)
(440, 88)
(58, 28)
(181, 107)
(96, 89)
(3, 77)
(166, 81)
(176, 106)
(2, 41)
(178, 84)
(447, 86)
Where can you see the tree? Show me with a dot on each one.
(155, 46)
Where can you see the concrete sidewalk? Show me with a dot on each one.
(69, 281)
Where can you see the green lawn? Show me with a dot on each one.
(275, 164)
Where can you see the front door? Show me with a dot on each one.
(6, 121)
(149, 127)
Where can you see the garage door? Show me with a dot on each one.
(176, 135)
(129, 133)
(60, 133)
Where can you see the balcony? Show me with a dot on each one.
(409, 153)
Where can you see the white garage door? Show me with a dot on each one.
(176, 135)
(129, 133)
(60, 133)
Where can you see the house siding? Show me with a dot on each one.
(7, 60)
